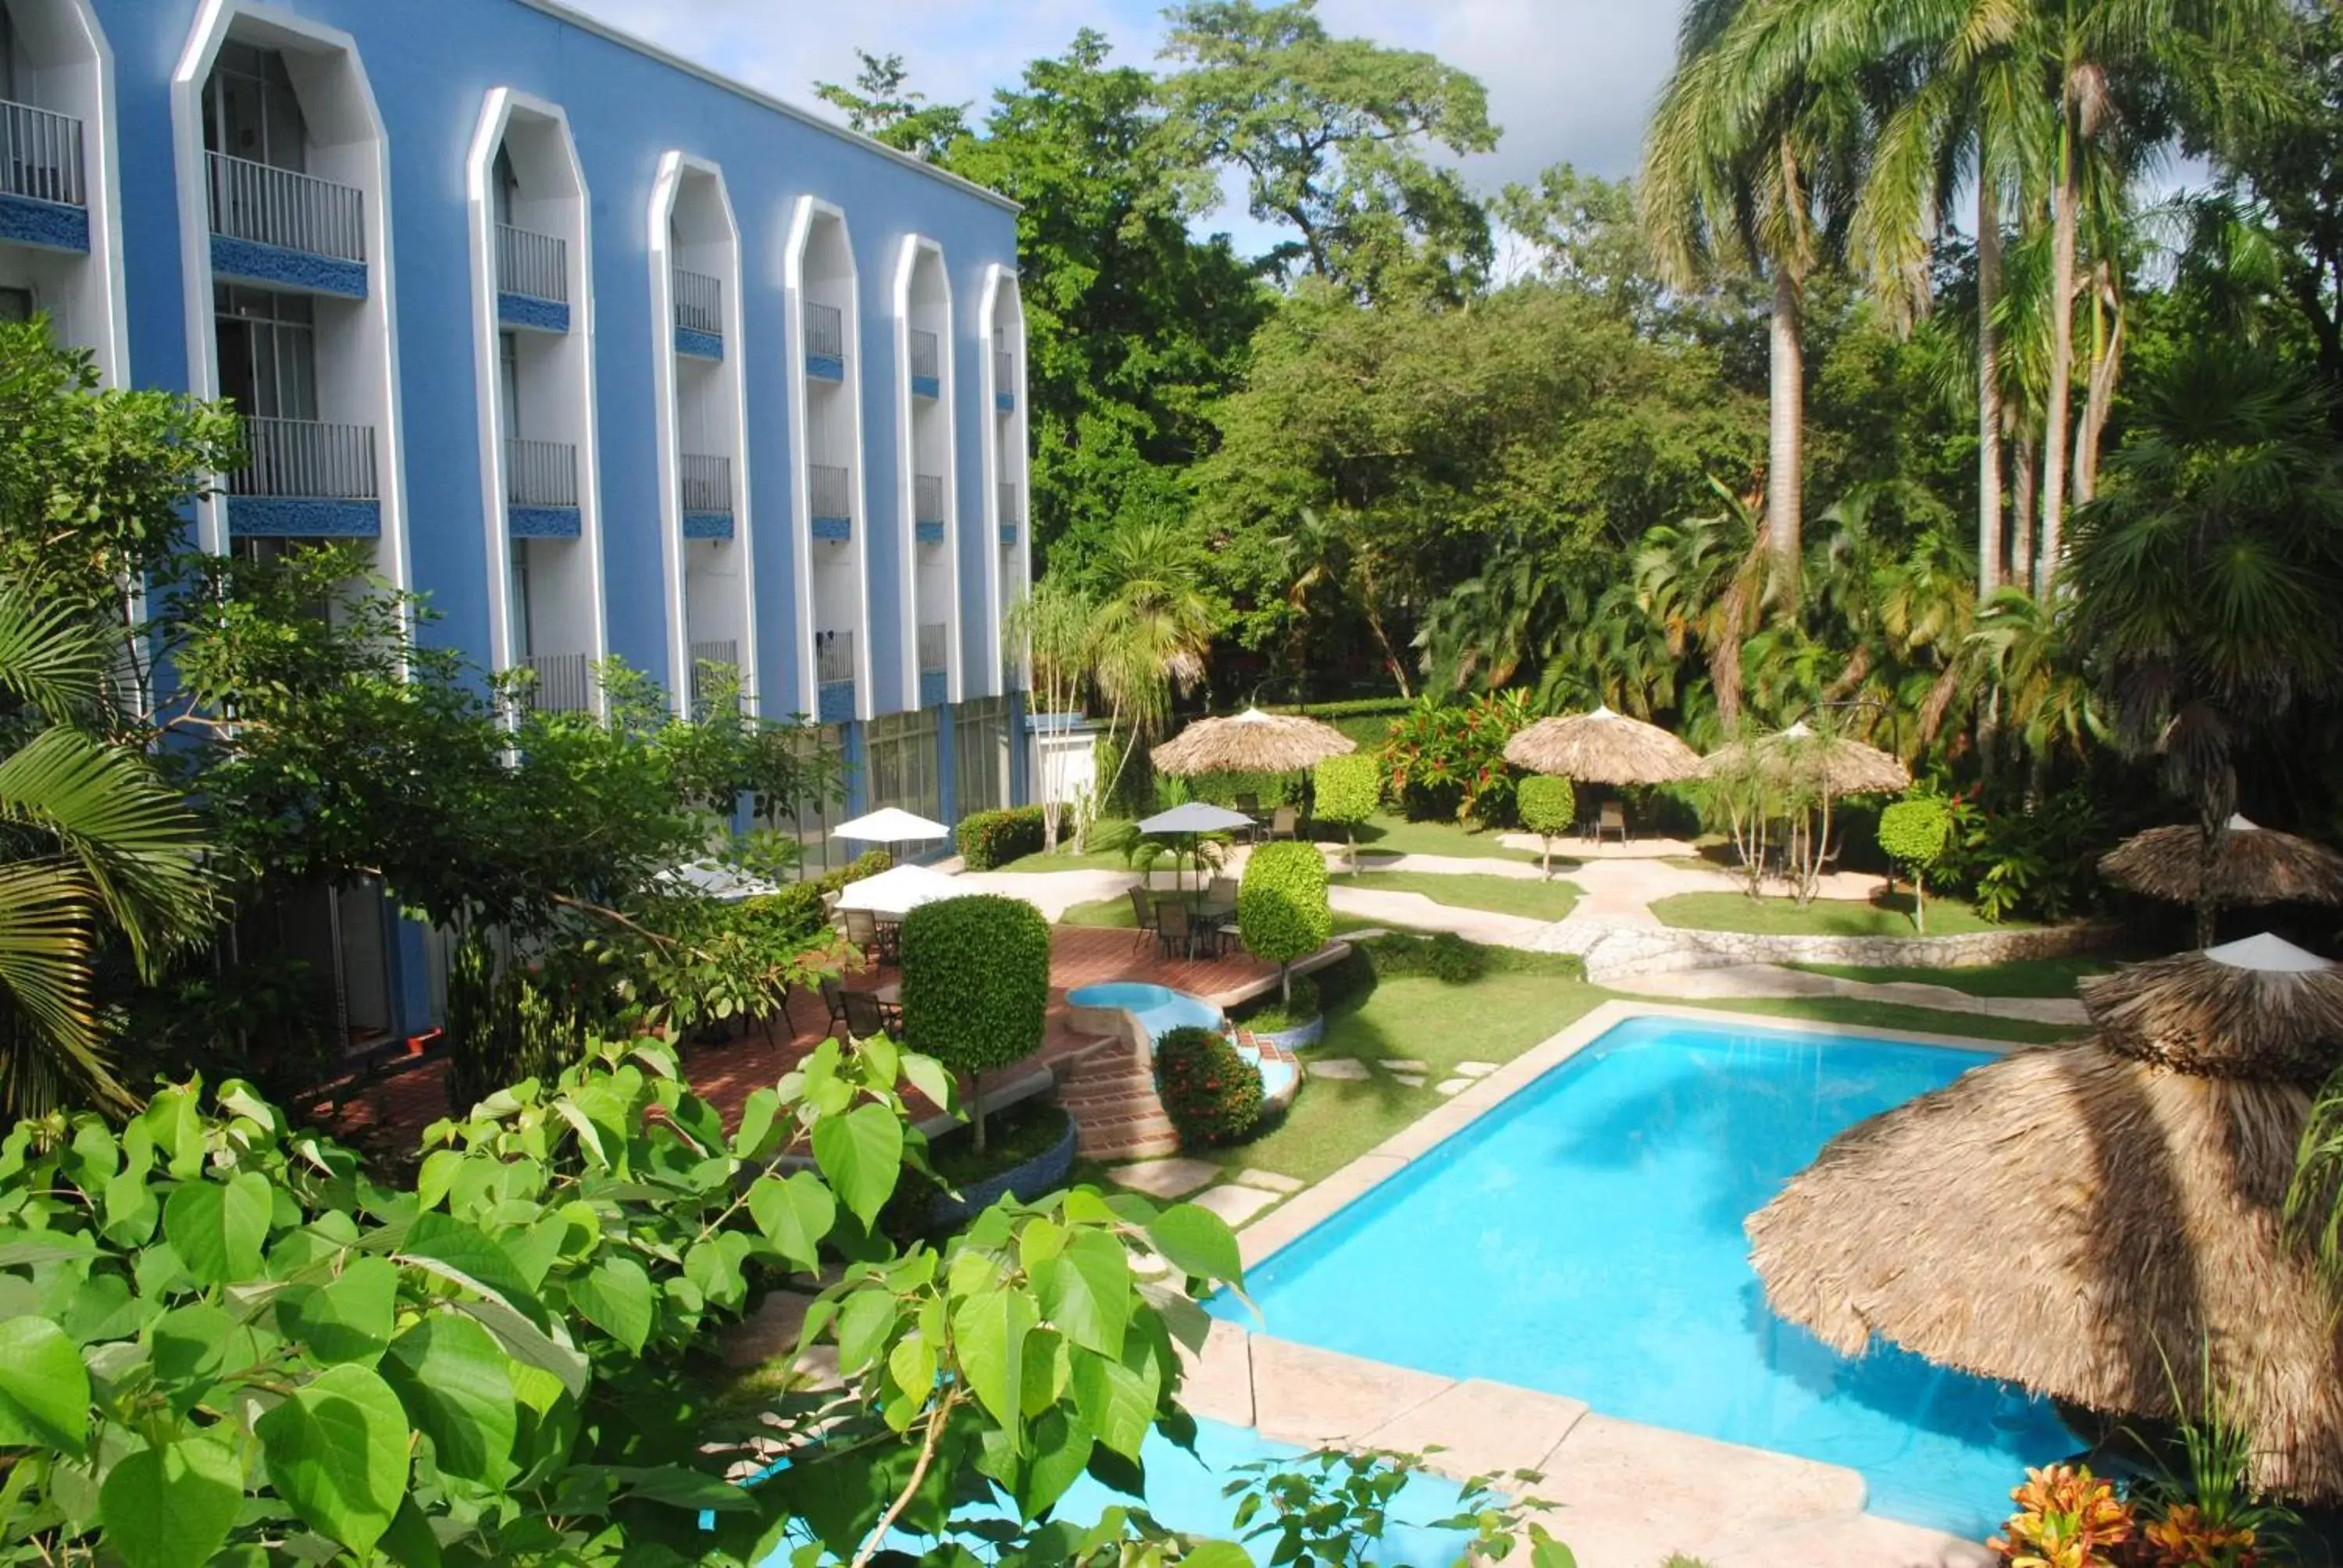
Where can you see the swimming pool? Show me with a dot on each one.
(1584, 1238)
(1160, 1009)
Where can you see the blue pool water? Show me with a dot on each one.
(1158, 1007)
(1585, 1238)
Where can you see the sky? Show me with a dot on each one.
(1568, 80)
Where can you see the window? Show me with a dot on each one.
(268, 351)
(507, 185)
(16, 304)
(509, 381)
(903, 763)
(8, 56)
(981, 754)
(523, 645)
(251, 111)
(819, 853)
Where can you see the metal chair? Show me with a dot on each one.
(1221, 896)
(1143, 906)
(1612, 820)
(865, 1018)
(1285, 824)
(1174, 925)
(862, 930)
(1250, 805)
(833, 996)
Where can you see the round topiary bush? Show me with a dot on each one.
(1212, 1094)
(1344, 792)
(1548, 807)
(976, 985)
(1281, 911)
(1914, 832)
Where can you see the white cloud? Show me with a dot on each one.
(1568, 79)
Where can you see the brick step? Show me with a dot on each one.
(1132, 1143)
(1091, 1087)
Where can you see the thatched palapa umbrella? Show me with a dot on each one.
(2103, 1220)
(1841, 766)
(1603, 747)
(1251, 742)
(2247, 864)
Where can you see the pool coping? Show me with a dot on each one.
(1790, 1503)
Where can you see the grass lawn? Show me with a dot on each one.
(1114, 913)
(1065, 859)
(1536, 901)
(1887, 917)
(1384, 834)
(2023, 978)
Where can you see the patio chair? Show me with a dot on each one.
(1250, 805)
(862, 931)
(1142, 906)
(833, 996)
(1174, 927)
(890, 942)
(1612, 820)
(1285, 824)
(866, 1019)
(1221, 897)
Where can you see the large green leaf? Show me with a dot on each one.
(43, 1387)
(169, 1506)
(1085, 1291)
(1196, 1241)
(1115, 1401)
(862, 1153)
(468, 1256)
(347, 1320)
(217, 1227)
(336, 1452)
(615, 1296)
(456, 1384)
(794, 1213)
(990, 1329)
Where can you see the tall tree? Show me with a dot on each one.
(1332, 137)
(1763, 182)
(882, 105)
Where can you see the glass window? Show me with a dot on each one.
(268, 349)
(506, 181)
(16, 304)
(981, 754)
(508, 374)
(251, 111)
(523, 646)
(903, 764)
(819, 853)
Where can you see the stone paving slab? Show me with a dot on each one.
(1236, 1204)
(1273, 1180)
(1217, 1384)
(1452, 1085)
(1304, 1396)
(1685, 1493)
(1866, 1540)
(1482, 1429)
(1166, 1178)
(1342, 1068)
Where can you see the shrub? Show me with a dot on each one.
(795, 913)
(1914, 832)
(2067, 1517)
(1281, 911)
(1346, 791)
(1212, 1094)
(989, 840)
(1444, 956)
(1222, 789)
(976, 985)
(1447, 761)
(1548, 807)
(1301, 1005)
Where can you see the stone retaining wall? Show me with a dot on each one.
(1626, 951)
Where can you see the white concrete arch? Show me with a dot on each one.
(1000, 320)
(818, 258)
(350, 144)
(929, 445)
(72, 70)
(692, 221)
(541, 131)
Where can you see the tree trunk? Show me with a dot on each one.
(1988, 262)
(2023, 487)
(1785, 445)
(2099, 397)
(976, 1107)
(2056, 416)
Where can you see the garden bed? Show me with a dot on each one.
(1030, 1152)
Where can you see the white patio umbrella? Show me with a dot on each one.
(1193, 822)
(897, 891)
(890, 826)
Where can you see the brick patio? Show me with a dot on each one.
(393, 1112)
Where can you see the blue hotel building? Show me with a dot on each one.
(604, 354)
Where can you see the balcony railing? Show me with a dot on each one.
(40, 155)
(698, 302)
(532, 264)
(927, 356)
(833, 656)
(1009, 514)
(725, 655)
(928, 499)
(540, 473)
(825, 330)
(565, 682)
(305, 459)
(935, 642)
(707, 484)
(833, 490)
(292, 211)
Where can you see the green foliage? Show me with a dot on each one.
(1346, 791)
(1915, 831)
(505, 1023)
(1444, 956)
(1281, 909)
(1331, 1506)
(1212, 1094)
(1547, 806)
(1298, 1005)
(976, 984)
(882, 108)
(1267, 790)
(989, 839)
(1449, 760)
(2017, 858)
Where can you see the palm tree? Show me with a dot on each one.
(1764, 182)
(1704, 584)
(95, 849)
(1152, 627)
(1057, 626)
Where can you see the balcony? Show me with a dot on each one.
(287, 229)
(832, 501)
(1004, 381)
(825, 336)
(541, 490)
(306, 479)
(935, 663)
(927, 365)
(707, 497)
(833, 658)
(699, 314)
(927, 507)
(714, 665)
(565, 683)
(532, 279)
(42, 201)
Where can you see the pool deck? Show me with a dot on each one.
(1629, 1494)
